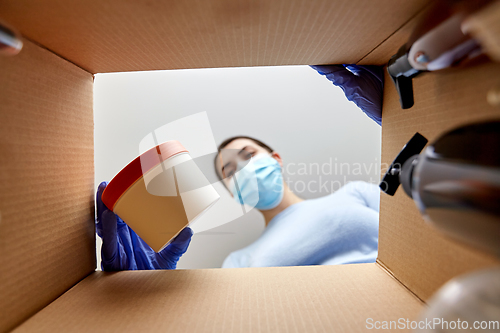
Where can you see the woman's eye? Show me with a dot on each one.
(249, 155)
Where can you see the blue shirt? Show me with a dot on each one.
(340, 228)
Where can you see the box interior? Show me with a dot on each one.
(118, 36)
(418, 255)
(47, 237)
(277, 299)
(47, 234)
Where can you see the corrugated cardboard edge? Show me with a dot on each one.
(390, 46)
(381, 54)
(383, 267)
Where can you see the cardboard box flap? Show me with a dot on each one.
(383, 52)
(117, 36)
(418, 255)
(279, 299)
(483, 25)
(47, 240)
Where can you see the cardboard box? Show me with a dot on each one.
(47, 239)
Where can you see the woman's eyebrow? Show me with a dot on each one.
(243, 149)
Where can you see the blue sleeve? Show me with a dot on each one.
(367, 193)
(363, 85)
(228, 262)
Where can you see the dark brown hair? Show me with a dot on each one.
(231, 139)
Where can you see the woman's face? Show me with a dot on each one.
(235, 152)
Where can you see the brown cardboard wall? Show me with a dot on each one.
(383, 52)
(114, 35)
(47, 241)
(278, 299)
(483, 25)
(417, 254)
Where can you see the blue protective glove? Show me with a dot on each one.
(122, 249)
(363, 85)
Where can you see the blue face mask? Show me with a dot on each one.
(260, 183)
